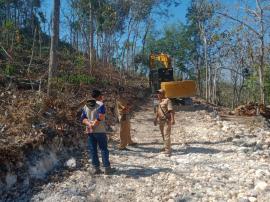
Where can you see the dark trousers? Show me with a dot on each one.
(99, 139)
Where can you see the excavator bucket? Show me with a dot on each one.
(179, 89)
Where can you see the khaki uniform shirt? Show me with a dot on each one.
(164, 107)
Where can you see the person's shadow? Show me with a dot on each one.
(136, 172)
(199, 150)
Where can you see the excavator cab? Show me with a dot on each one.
(160, 70)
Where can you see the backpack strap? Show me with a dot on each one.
(164, 114)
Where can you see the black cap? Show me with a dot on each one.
(96, 93)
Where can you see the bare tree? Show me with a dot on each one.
(259, 28)
(91, 37)
(54, 44)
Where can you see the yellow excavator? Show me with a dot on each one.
(160, 70)
(161, 76)
(161, 57)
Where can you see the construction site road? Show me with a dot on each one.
(212, 160)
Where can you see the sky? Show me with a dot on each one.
(176, 14)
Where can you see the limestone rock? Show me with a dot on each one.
(252, 199)
(260, 186)
(71, 163)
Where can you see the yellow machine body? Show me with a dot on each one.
(179, 89)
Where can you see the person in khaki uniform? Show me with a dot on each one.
(123, 108)
(165, 117)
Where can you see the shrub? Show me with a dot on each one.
(79, 62)
(77, 79)
(9, 69)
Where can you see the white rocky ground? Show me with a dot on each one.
(222, 161)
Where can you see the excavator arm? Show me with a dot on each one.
(162, 58)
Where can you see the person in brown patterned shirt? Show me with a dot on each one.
(123, 108)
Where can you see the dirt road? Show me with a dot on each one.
(222, 161)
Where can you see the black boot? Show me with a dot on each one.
(109, 170)
(96, 171)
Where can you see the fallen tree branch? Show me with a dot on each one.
(21, 83)
(9, 56)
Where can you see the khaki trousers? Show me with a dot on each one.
(125, 137)
(165, 129)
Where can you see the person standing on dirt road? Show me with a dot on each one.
(165, 117)
(93, 116)
(123, 108)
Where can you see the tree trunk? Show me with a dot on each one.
(32, 54)
(144, 37)
(214, 89)
(134, 46)
(199, 76)
(126, 44)
(206, 68)
(91, 39)
(40, 43)
(54, 44)
(97, 45)
(261, 67)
